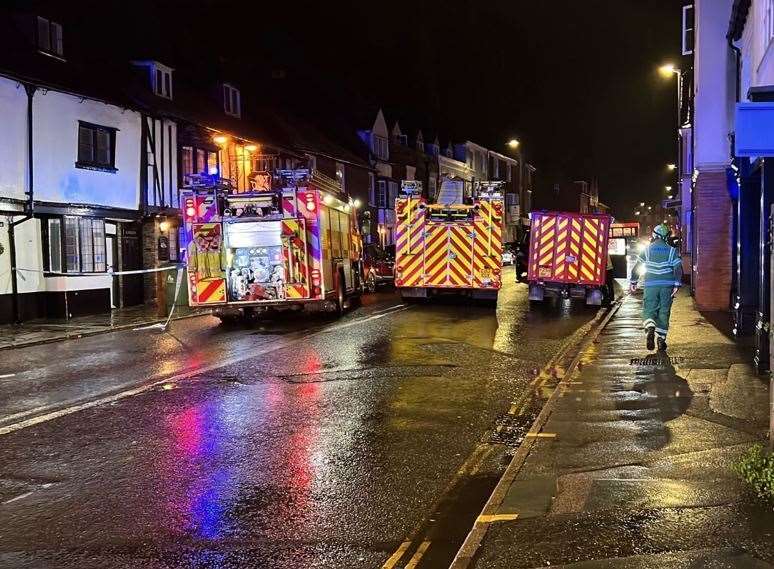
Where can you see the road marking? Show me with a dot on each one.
(7, 375)
(489, 518)
(26, 494)
(338, 327)
(414, 561)
(246, 354)
(395, 557)
(541, 435)
(388, 309)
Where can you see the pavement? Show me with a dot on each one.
(632, 468)
(45, 331)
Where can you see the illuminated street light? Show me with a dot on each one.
(669, 188)
(671, 167)
(642, 204)
(668, 69)
(513, 143)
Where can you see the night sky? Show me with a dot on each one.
(575, 81)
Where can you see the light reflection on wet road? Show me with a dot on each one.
(325, 452)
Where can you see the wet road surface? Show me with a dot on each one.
(319, 443)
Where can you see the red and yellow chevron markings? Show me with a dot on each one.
(210, 291)
(450, 255)
(460, 256)
(561, 251)
(409, 241)
(488, 244)
(436, 255)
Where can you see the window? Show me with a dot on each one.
(72, 251)
(96, 147)
(186, 160)
(84, 245)
(49, 37)
(231, 101)
(379, 147)
(381, 194)
(55, 245)
(393, 193)
(341, 175)
(162, 80)
(403, 139)
(371, 190)
(688, 27)
(212, 163)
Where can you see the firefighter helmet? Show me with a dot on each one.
(661, 231)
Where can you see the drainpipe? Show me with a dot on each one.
(29, 209)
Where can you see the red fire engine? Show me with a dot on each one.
(293, 243)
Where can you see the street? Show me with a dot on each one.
(298, 442)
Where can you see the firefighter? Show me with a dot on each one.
(662, 279)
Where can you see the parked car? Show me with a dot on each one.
(378, 266)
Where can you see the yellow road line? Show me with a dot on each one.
(414, 561)
(541, 435)
(489, 518)
(395, 557)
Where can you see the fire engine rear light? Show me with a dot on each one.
(310, 205)
(190, 207)
(316, 278)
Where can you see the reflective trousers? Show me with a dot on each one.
(656, 307)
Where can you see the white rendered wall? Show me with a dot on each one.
(56, 117)
(13, 139)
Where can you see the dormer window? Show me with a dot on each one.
(379, 147)
(162, 80)
(231, 101)
(49, 37)
(160, 77)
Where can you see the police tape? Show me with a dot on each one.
(158, 325)
(102, 273)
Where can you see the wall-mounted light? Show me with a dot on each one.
(220, 139)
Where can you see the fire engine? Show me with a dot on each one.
(449, 247)
(568, 255)
(291, 242)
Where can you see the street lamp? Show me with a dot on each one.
(513, 143)
(671, 167)
(668, 69)
(668, 188)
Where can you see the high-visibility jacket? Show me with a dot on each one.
(662, 263)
